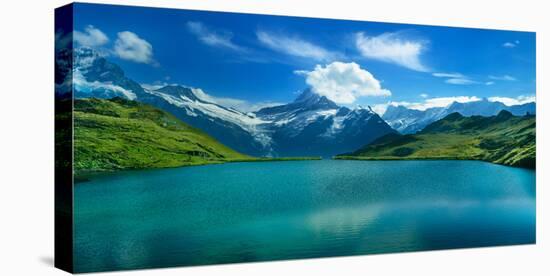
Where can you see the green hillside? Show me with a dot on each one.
(503, 139)
(119, 134)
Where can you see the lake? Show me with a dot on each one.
(242, 212)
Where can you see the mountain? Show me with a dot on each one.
(408, 121)
(503, 139)
(312, 125)
(235, 129)
(121, 134)
(95, 77)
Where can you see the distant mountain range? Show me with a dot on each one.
(406, 120)
(503, 139)
(312, 125)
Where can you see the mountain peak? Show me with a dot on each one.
(453, 116)
(85, 57)
(306, 95)
(504, 115)
(312, 100)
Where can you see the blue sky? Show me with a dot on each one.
(254, 60)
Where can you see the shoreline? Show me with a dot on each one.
(80, 176)
(428, 158)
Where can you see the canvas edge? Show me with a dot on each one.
(64, 219)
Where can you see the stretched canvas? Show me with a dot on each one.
(189, 137)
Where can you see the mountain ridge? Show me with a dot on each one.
(503, 139)
(304, 127)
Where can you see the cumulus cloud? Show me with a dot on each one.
(221, 39)
(131, 47)
(392, 48)
(423, 95)
(514, 101)
(502, 78)
(295, 46)
(343, 82)
(91, 37)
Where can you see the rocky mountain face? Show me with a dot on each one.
(314, 125)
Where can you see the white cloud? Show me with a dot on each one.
(461, 81)
(213, 38)
(514, 101)
(503, 78)
(427, 103)
(423, 95)
(91, 37)
(489, 83)
(380, 109)
(455, 78)
(295, 46)
(444, 101)
(390, 47)
(510, 44)
(131, 47)
(343, 82)
(449, 75)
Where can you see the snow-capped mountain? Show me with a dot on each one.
(243, 132)
(312, 125)
(94, 76)
(406, 120)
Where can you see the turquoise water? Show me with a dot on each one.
(242, 212)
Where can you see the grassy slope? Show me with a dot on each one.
(502, 139)
(119, 134)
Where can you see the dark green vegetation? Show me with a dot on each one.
(503, 139)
